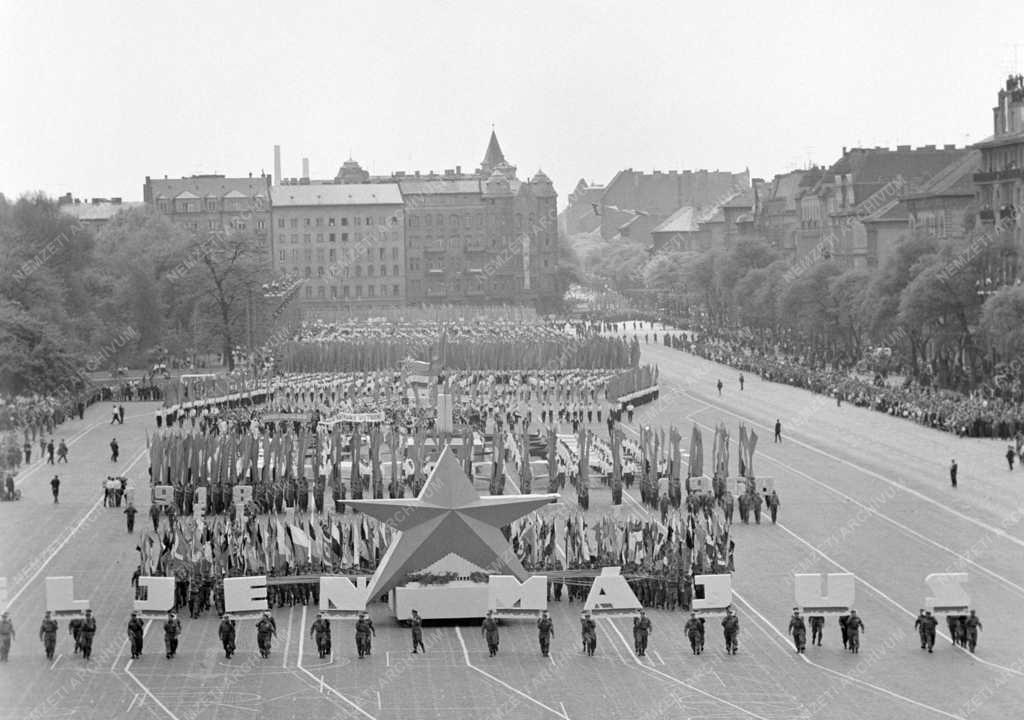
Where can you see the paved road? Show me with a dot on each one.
(861, 492)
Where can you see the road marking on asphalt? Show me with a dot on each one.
(851, 678)
(56, 661)
(672, 678)
(379, 705)
(921, 496)
(65, 541)
(387, 658)
(146, 690)
(535, 701)
(320, 681)
(288, 636)
(905, 610)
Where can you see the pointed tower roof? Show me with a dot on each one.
(494, 156)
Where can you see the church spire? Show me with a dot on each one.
(493, 157)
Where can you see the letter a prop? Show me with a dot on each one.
(60, 596)
(950, 598)
(611, 595)
(245, 594)
(820, 594)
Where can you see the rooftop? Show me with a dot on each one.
(322, 195)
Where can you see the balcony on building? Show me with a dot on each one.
(999, 175)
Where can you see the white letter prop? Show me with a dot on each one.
(241, 495)
(60, 596)
(159, 595)
(950, 598)
(199, 505)
(163, 494)
(507, 597)
(245, 594)
(611, 595)
(820, 594)
(716, 591)
(340, 597)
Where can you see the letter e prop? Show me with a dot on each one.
(505, 592)
(817, 593)
(159, 595)
(611, 593)
(338, 593)
(241, 495)
(717, 592)
(245, 594)
(949, 596)
(60, 596)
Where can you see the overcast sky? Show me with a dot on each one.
(97, 95)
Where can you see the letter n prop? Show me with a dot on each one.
(611, 595)
(950, 598)
(60, 596)
(820, 594)
(163, 494)
(245, 594)
(506, 596)
(712, 594)
(339, 596)
(159, 595)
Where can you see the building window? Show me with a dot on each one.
(344, 291)
(330, 222)
(359, 220)
(369, 220)
(383, 270)
(395, 291)
(309, 272)
(320, 292)
(344, 237)
(331, 237)
(308, 254)
(309, 292)
(344, 221)
(280, 223)
(440, 219)
(429, 220)
(320, 271)
(294, 223)
(307, 222)
(359, 291)
(259, 225)
(282, 255)
(359, 270)
(306, 238)
(331, 255)
(211, 204)
(319, 237)
(319, 222)
(380, 253)
(369, 270)
(394, 253)
(369, 291)
(394, 271)
(383, 290)
(211, 224)
(334, 292)
(162, 204)
(295, 255)
(295, 237)
(193, 226)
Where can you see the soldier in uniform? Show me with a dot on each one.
(588, 629)
(817, 625)
(364, 629)
(731, 627)
(75, 629)
(773, 505)
(798, 629)
(929, 624)
(973, 625)
(172, 631)
(265, 629)
(854, 627)
(218, 596)
(321, 632)
(694, 630)
(744, 503)
(135, 630)
(48, 634)
(489, 629)
(843, 619)
(545, 630)
(87, 633)
(755, 504)
(641, 632)
(416, 623)
(6, 636)
(226, 632)
(921, 626)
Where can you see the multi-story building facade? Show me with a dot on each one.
(999, 182)
(346, 242)
(213, 203)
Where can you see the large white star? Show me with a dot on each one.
(448, 517)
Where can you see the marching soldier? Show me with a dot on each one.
(48, 634)
(130, 513)
(172, 631)
(226, 632)
(929, 624)
(843, 619)
(973, 624)
(695, 632)
(86, 634)
(920, 625)
(589, 631)
(75, 630)
(744, 503)
(321, 632)
(755, 504)
(489, 629)
(6, 636)
(135, 631)
(731, 628)
(364, 629)
(854, 627)
(798, 629)
(773, 505)
(416, 623)
(545, 630)
(817, 625)
(266, 628)
(641, 632)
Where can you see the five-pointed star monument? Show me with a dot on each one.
(448, 517)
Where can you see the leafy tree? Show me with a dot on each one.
(1002, 321)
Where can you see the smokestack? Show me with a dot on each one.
(305, 168)
(277, 164)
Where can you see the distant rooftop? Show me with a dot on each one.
(313, 195)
